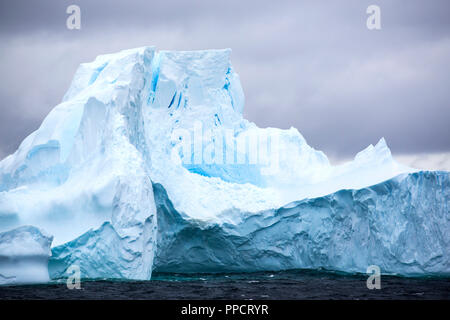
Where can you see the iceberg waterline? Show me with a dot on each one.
(113, 175)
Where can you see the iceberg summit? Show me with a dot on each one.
(148, 165)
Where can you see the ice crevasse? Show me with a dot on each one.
(132, 172)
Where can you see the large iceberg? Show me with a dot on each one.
(148, 164)
(24, 254)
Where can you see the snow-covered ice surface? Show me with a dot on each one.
(114, 174)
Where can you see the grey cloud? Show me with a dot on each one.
(308, 64)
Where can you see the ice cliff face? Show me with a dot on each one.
(141, 124)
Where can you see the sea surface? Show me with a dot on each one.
(298, 284)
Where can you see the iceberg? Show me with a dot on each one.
(24, 255)
(148, 164)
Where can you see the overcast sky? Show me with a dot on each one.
(311, 64)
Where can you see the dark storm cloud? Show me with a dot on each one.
(309, 64)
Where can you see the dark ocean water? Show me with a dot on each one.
(256, 286)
